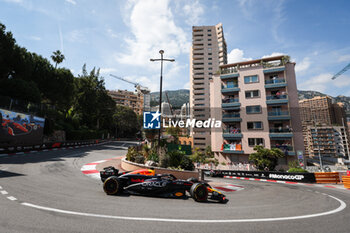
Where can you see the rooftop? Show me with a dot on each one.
(267, 59)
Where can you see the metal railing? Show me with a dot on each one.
(276, 97)
(279, 113)
(280, 130)
(226, 101)
(231, 115)
(232, 131)
(275, 81)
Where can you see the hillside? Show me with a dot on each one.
(178, 97)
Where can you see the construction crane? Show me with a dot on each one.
(341, 72)
(171, 109)
(139, 88)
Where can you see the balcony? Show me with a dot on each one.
(276, 99)
(234, 117)
(232, 134)
(288, 150)
(278, 115)
(275, 83)
(230, 103)
(229, 76)
(229, 70)
(232, 149)
(276, 69)
(281, 133)
(229, 88)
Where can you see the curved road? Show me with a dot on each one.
(47, 192)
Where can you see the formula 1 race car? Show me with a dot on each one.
(146, 182)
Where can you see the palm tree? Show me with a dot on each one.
(57, 57)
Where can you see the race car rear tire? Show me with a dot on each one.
(111, 185)
(199, 192)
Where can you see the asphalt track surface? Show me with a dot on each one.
(47, 192)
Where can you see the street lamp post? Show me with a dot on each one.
(161, 83)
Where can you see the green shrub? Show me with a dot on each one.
(140, 159)
(131, 155)
(297, 170)
(186, 163)
(164, 161)
(154, 157)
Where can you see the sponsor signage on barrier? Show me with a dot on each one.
(18, 129)
(286, 176)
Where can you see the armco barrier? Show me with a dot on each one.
(130, 166)
(285, 176)
(346, 181)
(327, 177)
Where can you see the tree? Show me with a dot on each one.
(126, 122)
(265, 159)
(57, 57)
(174, 132)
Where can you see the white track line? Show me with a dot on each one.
(12, 198)
(340, 208)
(3, 192)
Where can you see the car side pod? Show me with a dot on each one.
(199, 192)
(111, 185)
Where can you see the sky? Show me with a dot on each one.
(120, 36)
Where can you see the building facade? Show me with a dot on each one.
(130, 99)
(321, 112)
(208, 51)
(327, 142)
(258, 103)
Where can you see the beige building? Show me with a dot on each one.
(325, 128)
(321, 110)
(258, 103)
(130, 99)
(327, 141)
(208, 51)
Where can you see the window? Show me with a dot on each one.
(253, 109)
(209, 49)
(252, 94)
(210, 68)
(210, 58)
(209, 30)
(209, 44)
(255, 125)
(210, 54)
(209, 34)
(209, 39)
(251, 79)
(210, 74)
(255, 141)
(210, 63)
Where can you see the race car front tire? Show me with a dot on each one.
(111, 185)
(199, 192)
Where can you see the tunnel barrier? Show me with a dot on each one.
(327, 177)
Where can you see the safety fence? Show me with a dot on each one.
(327, 177)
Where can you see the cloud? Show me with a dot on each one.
(112, 33)
(303, 65)
(187, 85)
(107, 70)
(193, 11)
(153, 28)
(36, 38)
(236, 55)
(72, 2)
(344, 58)
(274, 54)
(324, 82)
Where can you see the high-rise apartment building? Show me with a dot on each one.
(258, 103)
(325, 129)
(321, 110)
(208, 51)
(327, 141)
(134, 100)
